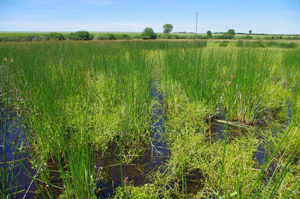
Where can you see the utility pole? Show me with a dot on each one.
(196, 22)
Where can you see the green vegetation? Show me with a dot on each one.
(262, 44)
(148, 33)
(56, 35)
(80, 35)
(168, 28)
(231, 33)
(209, 34)
(88, 109)
(40, 36)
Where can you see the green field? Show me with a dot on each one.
(152, 119)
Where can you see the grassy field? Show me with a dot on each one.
(95, 113)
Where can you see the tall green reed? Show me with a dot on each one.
(245, 90)
(242, 77)
(219, 76)
(71, 93)
(11, 171)
(291, 72)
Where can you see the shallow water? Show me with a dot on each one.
(15, 136)
(218, 130)
(160, 149)
(154, 156)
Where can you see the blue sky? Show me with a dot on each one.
(260, 16)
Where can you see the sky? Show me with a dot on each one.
(260, 16)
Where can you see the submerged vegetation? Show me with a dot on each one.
(229, 118)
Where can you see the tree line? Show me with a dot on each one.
(148, 33)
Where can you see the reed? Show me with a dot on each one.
(242, 77)
(71, 96)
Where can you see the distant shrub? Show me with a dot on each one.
(45, 37)
(35, 38)
(240, 43)
(184, 37)
(248, 37)
(99, 37)
(218, 42)
(223, 44)
(167, 36)
(261, 44)
(274, 37)
(160, 36)
(288, 45)
(292, 38)
(30, 38)
(124, 37)
(201, 44)
(22, 38)
(199, 37)
(56, 35)
(110, 36)
(175, 37)
(7, 39)
(224, 36)
(272, 44)
(81, 35)
(256, 44)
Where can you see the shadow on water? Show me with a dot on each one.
(17, 179)
(154, 156)
(264, 152)
(218, 130)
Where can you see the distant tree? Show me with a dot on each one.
(250, 32)
(81, 35)
(231, 33)
(209, 34)
(149, 33)
(168, 28)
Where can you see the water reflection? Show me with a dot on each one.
(16, 176)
